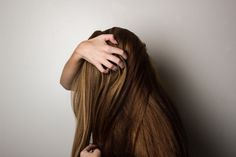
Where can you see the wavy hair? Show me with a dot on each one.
(127, 111)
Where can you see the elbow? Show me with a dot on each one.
(67, 87)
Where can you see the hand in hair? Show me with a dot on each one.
(97, 52)
(90, 151)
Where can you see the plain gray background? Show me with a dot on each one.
(192, 42)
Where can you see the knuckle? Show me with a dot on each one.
(105, 55)
(103, 70)
(117, 60)
(97, 65)
(107, 48)
(110, 65)
(120, 61)
(121, 65)
(119, 51)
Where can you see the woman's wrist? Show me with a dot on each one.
(78, 52)
(76, 56)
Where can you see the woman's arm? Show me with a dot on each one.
(95, 51)
(69, 71)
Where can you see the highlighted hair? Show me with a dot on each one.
(127, 111)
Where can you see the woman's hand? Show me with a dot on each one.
(95, 51)
(90, 151)
(98, 53)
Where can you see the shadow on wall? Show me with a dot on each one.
(181, 89)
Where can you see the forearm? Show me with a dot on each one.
(69, 71)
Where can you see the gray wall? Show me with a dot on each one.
(192, 42)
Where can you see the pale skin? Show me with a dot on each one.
(95, 51)
(90, 151)
(98, 53)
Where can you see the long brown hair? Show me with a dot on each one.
(127, 111)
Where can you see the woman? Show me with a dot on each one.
(126, 110)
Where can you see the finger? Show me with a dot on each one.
(97, 151)
(109, 37)
(90, 147)
(100, 68)
(108, 64)
(115, 50)
(115, 59)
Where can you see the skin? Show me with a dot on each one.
(90, 151)
(95, 51)
(98, 53)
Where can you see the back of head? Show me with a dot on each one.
(117, 106)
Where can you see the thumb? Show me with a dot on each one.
(109, 37)
(97, 151)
